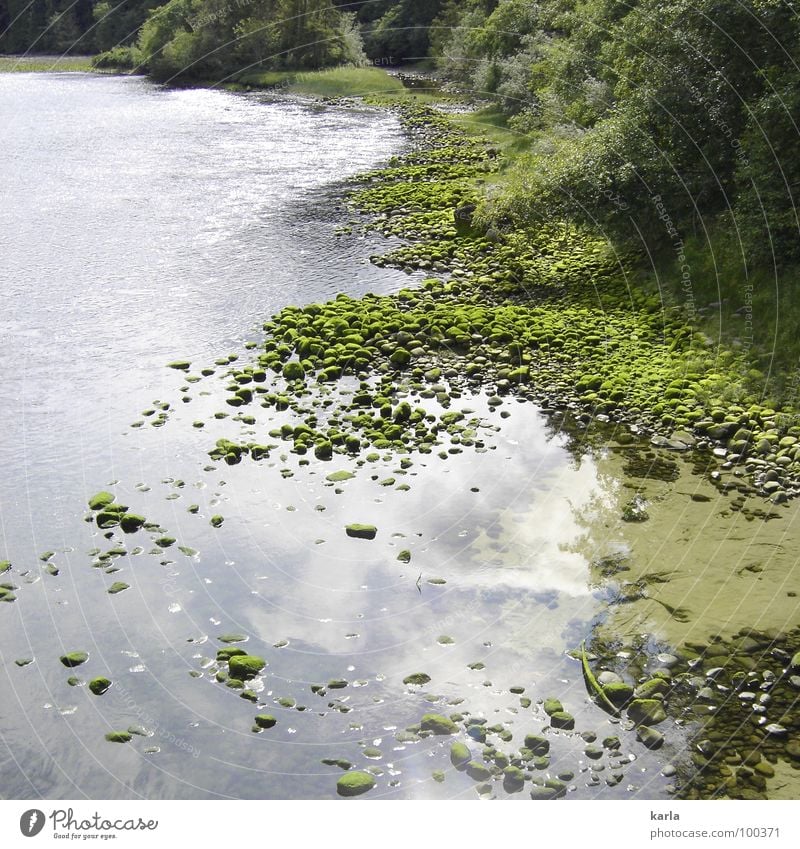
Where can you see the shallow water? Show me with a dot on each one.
(146, 225)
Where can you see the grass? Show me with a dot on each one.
(491, 123)
(334, 82)
(9, 64)
(346, 82)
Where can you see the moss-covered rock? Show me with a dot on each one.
(119, 737)
(650, 737)
(562, 719)
(224, 655)
(417, 679)
(438, 724)
(618, 692)
(478, 771)
(460, 755)
(99, 685)
(552, 706)
(537, 744)
(75, 658)
(338, 477)
(118, 587)
(355, 783)
(216, 521)
(245, 666)
(652, 687)
(100, 500)
(293, 371)
(131, 522)
(265, 720)
(359, 531)
(646, 711)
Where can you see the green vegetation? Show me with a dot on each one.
(346, 82)
(17, 64)
(191, 40)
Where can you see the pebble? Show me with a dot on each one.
(775, 729)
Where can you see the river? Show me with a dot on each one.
(140, 225)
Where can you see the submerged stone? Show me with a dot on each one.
(646, 711)
(650, 737)
(538, 745)
(118, 587)
(417, 679)
(75, 658)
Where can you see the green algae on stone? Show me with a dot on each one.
(650, 737)
(646, 711)
(359, 531)
(118, 587)
(75, 658)
(232, 638)
(355, 783)
(338, 477)
(652, 687)
(100, 500)
(460, 755)
(618, 693)
(537, 744)
(342, 763)
(131, 522)
(180, 365)
(478, 771)
(562, 719)
(245, 666)
(418, 679)
(438, 724)
(119, 737)
(99, 685)
(265, 720)
(404, 556)
(5, 565)
(552, 706)
(216, 521)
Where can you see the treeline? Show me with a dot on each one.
(81, 27)
(653, 119)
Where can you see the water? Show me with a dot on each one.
(140, 225)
